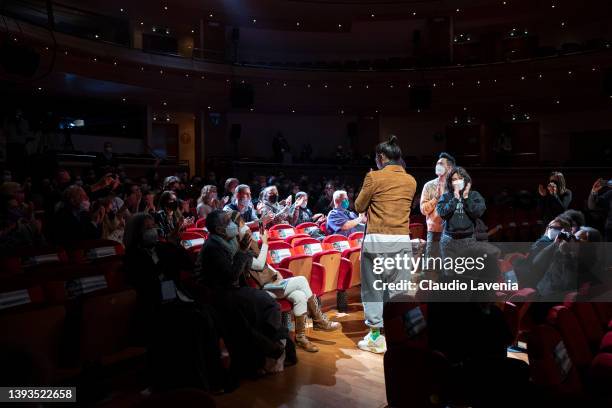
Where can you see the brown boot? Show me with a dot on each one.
(300, 335)
(320, 321)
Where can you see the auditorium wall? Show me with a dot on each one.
(322, 132)
(418, 134)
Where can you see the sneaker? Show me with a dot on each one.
(377, 346)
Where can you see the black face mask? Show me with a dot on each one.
(172, 205)
(273, 198)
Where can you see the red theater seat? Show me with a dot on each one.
(550, 363)
(201, 223)
(37, 332)
(106, 328)
(414, 374)
(281, 231)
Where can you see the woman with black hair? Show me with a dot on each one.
(169, 218)
(386, 196)
(555, 198)
(459, 207)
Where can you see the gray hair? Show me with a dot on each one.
(338, 194)
(240, 188)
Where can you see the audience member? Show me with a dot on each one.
(208, 201)
(459, 207)
(342, 221)
(169, 219)
(241, 202)
(296, 289)
(73, 221)
(325, 203)
(601, 198)
(555, 197)
(274, 212)
(432, 191)
(523, 267)
(229, 188)
(251, 317)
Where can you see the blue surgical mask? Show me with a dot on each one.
(345, 204)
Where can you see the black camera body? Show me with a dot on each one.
(567, 236)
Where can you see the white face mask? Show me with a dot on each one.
(231, 230)
(552, 233)
(459, 184)
(243, 230)
(440, 169)
(303, 205)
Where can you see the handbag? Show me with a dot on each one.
(266, 275)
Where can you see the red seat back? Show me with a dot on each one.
(106, 324)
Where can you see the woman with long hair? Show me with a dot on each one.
(208, 201)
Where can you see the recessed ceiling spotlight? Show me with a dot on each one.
(372, 15)
(297, 24)
(254, 20)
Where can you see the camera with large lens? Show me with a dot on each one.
(566, 236)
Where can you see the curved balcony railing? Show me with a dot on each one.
(117, 32)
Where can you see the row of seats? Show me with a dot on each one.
(570, 357)
(56, 275)
(66, 338)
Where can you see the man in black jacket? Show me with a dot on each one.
(251, 317)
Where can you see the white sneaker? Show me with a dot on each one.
(377, 346)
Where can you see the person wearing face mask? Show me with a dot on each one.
(73, 221)
(170, 219)
(304, 213)
(208, 201)
(522, 266)
(432, 191)
(386, 196)
(274, 211)
(251, 317)
(569, 262)
(555, 197)
(460, 207)
(340, 219)
(295, 289)
(180, 334)
(241, 202)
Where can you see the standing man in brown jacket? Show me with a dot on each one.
(386, 197)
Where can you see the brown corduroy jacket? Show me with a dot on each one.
(386, 196)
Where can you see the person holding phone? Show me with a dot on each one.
(601, 199)
(555, 198)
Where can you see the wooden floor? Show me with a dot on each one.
(339, 375)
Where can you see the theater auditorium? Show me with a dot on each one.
(306, 203)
